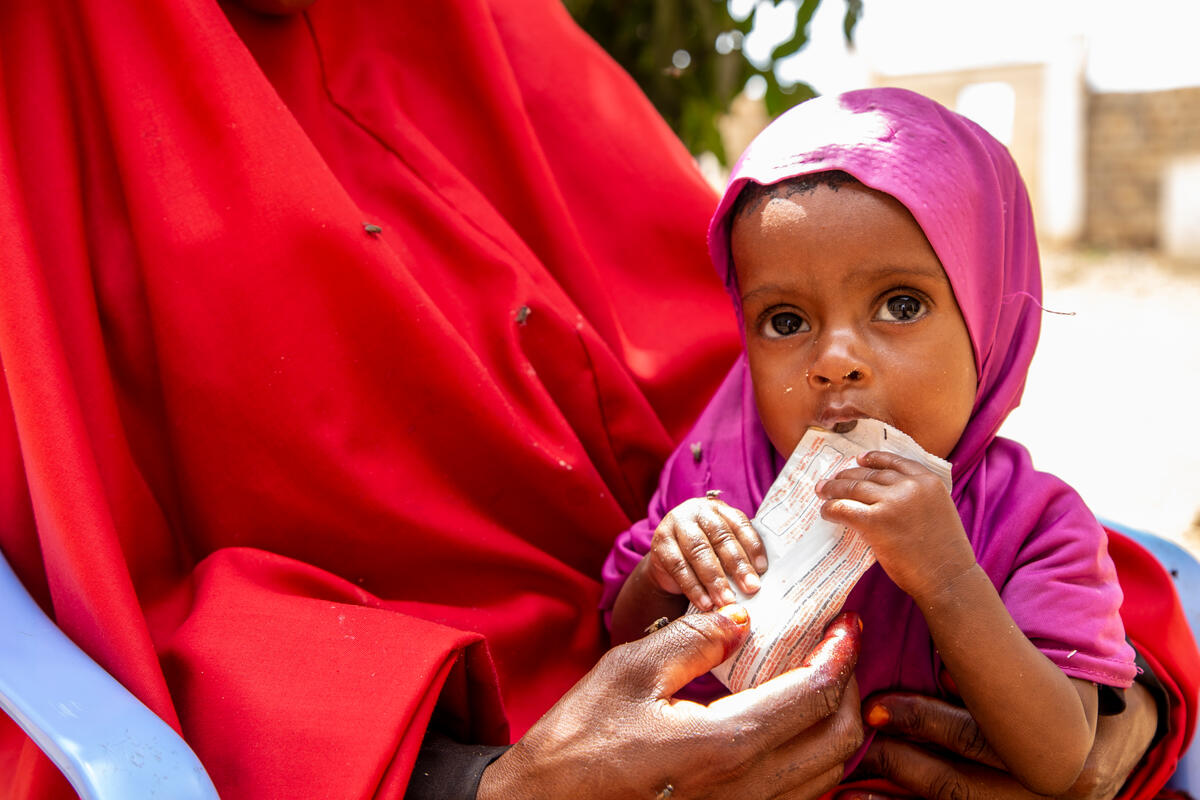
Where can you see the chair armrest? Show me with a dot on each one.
(106, 742)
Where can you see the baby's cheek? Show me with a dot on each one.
(783, 417)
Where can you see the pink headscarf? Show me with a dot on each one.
(1031, 533)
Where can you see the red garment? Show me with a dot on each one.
(280, 474)
(284, 476)
(1157, 627)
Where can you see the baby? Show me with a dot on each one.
(881, 256)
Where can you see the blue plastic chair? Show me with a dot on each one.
(106, 742)
(1185, 571)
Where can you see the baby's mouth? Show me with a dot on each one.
(841, 419)
(845, 426)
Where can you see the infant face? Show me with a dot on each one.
(849, 314)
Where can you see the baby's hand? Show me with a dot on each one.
(907, 516)
(698, 544)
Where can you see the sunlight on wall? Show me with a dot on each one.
(992, 104)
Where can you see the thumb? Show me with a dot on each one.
(688, 647)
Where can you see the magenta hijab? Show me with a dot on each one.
(1032, 534)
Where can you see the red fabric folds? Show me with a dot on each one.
(295, 482)
(1156, 625)
(285, 477)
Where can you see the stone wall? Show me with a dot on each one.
(1133, 142)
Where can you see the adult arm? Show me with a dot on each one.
(619, 733)
(934, 749)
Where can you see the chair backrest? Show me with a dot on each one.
(1185, 571)
(106, 742)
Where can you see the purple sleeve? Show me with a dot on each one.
(625, 554)
(685, 475)
(1062, 592)
(630, 546)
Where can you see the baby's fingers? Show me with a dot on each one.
(718, 556)
(671, 571)
(883, 460)
(862, 484)
(682, 550)
(747, 536)
(853, 494)
(736, 543)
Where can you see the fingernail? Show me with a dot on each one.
(760, 564)
(727, 597)
(878, 716)
(820, 485)
(704, 603)
(751, 583)
(734, 612)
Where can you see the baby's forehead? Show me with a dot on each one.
(753, 195)
(824, 228)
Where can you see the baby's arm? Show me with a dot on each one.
(696, 548)
(1039, 721)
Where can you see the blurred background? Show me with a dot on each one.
(1099, 103)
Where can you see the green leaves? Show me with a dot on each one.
(854, 9)
(800, 37)
(687, 56)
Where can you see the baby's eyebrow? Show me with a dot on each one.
(875, 274)
(857, 277)
(768, 289)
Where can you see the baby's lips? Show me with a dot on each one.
(835, 425)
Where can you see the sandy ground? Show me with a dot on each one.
(1111, 402)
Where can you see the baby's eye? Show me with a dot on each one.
(902, 308)
(783, 323)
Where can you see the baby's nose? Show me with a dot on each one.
(820, 379)
(837, 364)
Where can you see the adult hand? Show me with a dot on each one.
(619, 733)
(935, 750)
